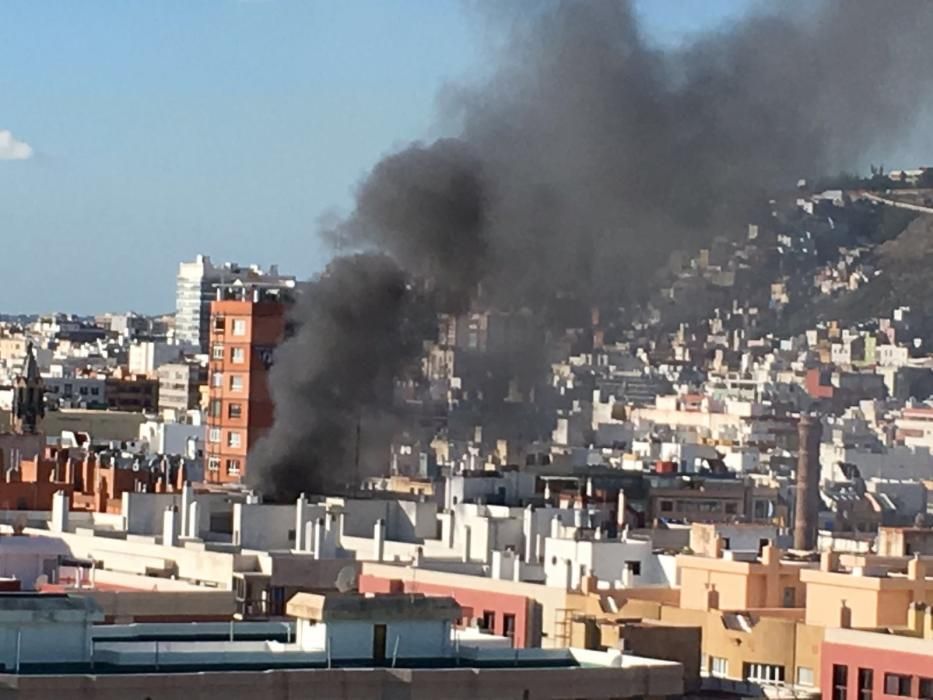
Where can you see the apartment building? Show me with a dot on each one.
(715, 500)
(247, 323)
(868, 664)
(872, 592)
(132, 392)
(180, 386)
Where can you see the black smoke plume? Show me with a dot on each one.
(358, 326)
(582, 162)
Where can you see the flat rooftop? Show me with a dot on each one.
(172, 657)
(353, 606)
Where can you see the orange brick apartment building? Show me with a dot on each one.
(247, 322)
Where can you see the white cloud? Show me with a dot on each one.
(11, 149)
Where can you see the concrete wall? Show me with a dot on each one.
(606, 558)
(871, 601)
(143, 512)
(348, 639)
(742, 537)
(174, 437)
(509, 487)
(673, 643)
(406, 521)
(121, 426)
(491, 528)
(264, 526)
(209, 506)
(635, 680)
(61, 642)
(411, 521)
(361, 548)
(164, 606)
(303, 571)
(135, 556)
(361, 515)
(732, 585)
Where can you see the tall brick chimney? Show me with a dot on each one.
(807, 502)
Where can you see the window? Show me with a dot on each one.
(95, 391)
(667, 506)
(762, 510)
(213, 435)
(233, 467)
(508, 627)
(218, 324)
(726, 543)
(866, 682)
(896, 684)
(237, 355)
(213, 464)
(840, 681)
(718, 666)
(236, 382)
(790, 597)
(926, 689)
(489, 620)
(217, 380)
(762, 672)
(217, 352)
(234, 410)
(804, 675)
(82, 390)
(233, 439)
(634, 567)
(213, 410)
(239, 326)
(732, 508)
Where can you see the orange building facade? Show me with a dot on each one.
(244, 333)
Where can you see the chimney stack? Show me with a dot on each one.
(806, 509)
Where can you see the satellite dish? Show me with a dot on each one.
(346, 580)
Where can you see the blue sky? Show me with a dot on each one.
(163, 128)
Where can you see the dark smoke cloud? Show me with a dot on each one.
(605, 153)
(427, 206)
(583, 161)
(357, 327)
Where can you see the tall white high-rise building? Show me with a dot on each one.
(196, 287)
(194, 290)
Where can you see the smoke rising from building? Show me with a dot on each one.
(586, 158)
(356, 329)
